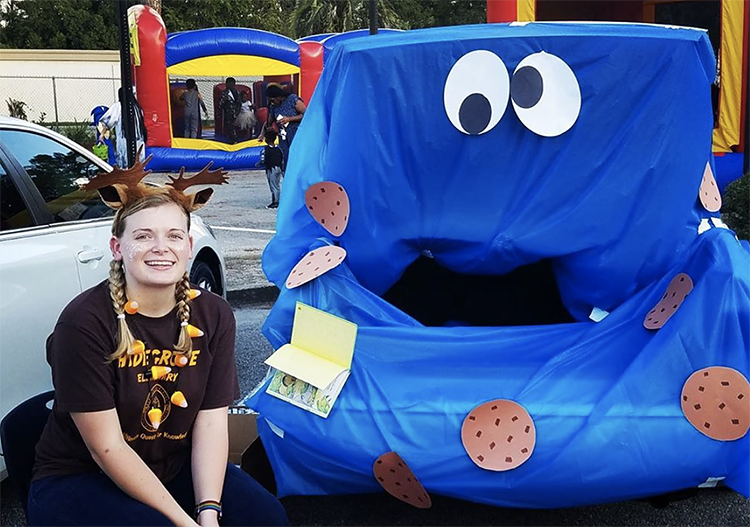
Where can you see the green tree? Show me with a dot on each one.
(735, 210)
(58, 24)
(92, 24)
(335, 16)
(268, 15)
(435, 13)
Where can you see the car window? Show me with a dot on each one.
(13, 212)
(54, 169)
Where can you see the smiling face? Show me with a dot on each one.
(154, 246)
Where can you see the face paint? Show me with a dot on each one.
(133, 250)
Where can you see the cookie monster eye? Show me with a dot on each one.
(545, 94)
(476, 92)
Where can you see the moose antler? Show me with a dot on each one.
(204, 177)
(129, 177)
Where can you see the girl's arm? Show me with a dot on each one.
(103, 437)
(209, 459)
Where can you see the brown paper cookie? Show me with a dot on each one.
(328, 203)
(716, 401)
(498, 435)
(709, 191)
(677, 290)
(314, 264)
(399, 481)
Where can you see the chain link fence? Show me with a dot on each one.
(63, 100)
(57, 100)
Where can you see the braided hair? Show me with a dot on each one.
(182, 296)
(117, 294)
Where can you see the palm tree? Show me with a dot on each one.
(155, 5)
(311, 17)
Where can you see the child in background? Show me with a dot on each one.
(246, 119)
(112, 120)
(272, 160)
(192, 100)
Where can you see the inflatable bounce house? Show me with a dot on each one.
(523, 295)
(727, 22)
(162, 64)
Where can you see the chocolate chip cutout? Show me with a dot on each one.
(496, 431)
(728, 420)
(397, 479)
(677, 291)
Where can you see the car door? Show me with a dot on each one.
(81, 220)
(38, 277)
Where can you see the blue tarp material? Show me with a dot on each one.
(613, 202)
(330, 42)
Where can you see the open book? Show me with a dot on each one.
(305, 395)
(311, 370)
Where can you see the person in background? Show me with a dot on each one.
(192, 99)
(112, 119)
(272, 160)
(230, 106)
(286, 111)
(103, 146)
(246, 118)
(143, 368)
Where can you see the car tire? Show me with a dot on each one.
(202, 276)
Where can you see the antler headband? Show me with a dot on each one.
(120, 187)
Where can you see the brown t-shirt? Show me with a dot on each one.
(77, 350)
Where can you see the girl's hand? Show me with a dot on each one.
(284, 120)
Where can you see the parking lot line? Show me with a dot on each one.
(242, 229)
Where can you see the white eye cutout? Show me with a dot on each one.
(476, 92)
(545, 94)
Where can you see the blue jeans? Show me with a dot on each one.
(93, 499)
(274, 183)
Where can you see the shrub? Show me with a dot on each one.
(80, 132)
(735, 210)
(17, 108)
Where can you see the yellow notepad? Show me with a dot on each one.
(322, 347)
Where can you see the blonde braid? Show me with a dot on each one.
(119, 299)
(182, 296)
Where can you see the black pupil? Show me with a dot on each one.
(526, 87)
(475, 113)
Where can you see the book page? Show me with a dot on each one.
(304, 395)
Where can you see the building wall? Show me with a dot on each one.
(62, 84)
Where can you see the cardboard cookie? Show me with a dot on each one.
(399, 481)
(677, 290)
(709, 191)
(328, 203)
(716, 401)
(315, 263)
(498, 435)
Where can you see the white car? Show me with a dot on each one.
(54, 244)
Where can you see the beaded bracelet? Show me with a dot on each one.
(208, 505)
